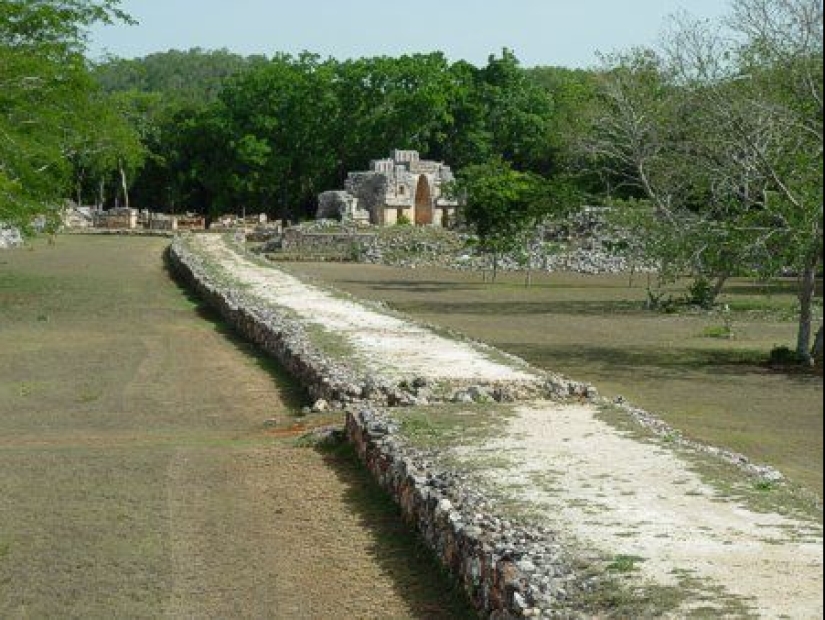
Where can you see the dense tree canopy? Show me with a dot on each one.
(50, 113)
(270, 134)
(192, 76)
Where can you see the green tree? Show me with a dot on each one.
(386, 103)
(278, 120)
(194, 76)
(103, 144)
(722, 134)
(43, 82)
(519, 114)
(503, 206)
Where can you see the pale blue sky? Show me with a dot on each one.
(541, 32)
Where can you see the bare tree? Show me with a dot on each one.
(722, 132)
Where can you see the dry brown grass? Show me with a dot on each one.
(137, 476)
(596, 328)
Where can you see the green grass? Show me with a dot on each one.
(333, 345)
(624, 563)
(441, 425)
(597, 329)
(719, 331)
(617, 594)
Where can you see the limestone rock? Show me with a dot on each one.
(10, 237)
(320, 406)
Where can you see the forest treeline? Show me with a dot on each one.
(709, 148)
(223, 132)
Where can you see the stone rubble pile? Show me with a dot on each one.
(10, 237)
(582, 243)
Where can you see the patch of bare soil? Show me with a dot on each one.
(280, 531)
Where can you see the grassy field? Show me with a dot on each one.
(596, 328)
(138, 477)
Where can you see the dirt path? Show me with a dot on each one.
(390, 346)
(137, 476)
(633, 499)
(609, 492)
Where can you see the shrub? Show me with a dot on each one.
(701, 294)
(659, 300)
(719, 331)
(355, 252)
(784, 356)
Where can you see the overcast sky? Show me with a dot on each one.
(541, 32)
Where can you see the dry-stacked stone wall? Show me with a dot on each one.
(120, 232)
(507, 571)
(280, 335)
(332, 379)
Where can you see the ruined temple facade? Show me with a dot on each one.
(403, 186)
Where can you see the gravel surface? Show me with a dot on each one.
(390, 346)
(630, 498)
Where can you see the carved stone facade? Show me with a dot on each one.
(401, 187)
(340, 205)
(121, 218)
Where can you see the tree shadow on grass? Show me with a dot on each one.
(413, 286)
(418, 576)
(522, 308)
(646, 364)
(778, 287)
(294, 396)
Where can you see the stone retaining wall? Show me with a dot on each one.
(119, 232)
(347, 244)
(496, 563)
(334, 380)
(507, 571)
(278, 335)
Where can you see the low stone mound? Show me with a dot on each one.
(10, 237)
(582, 243)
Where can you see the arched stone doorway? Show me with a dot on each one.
(423, 202)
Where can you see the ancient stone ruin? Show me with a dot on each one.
(403, 187)
(10, 236)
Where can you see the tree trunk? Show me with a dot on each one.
(720, 284)
(495, 266)
(123, 184)
(102, 195)
(79, 188)
(807, 289)
(816, 352)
